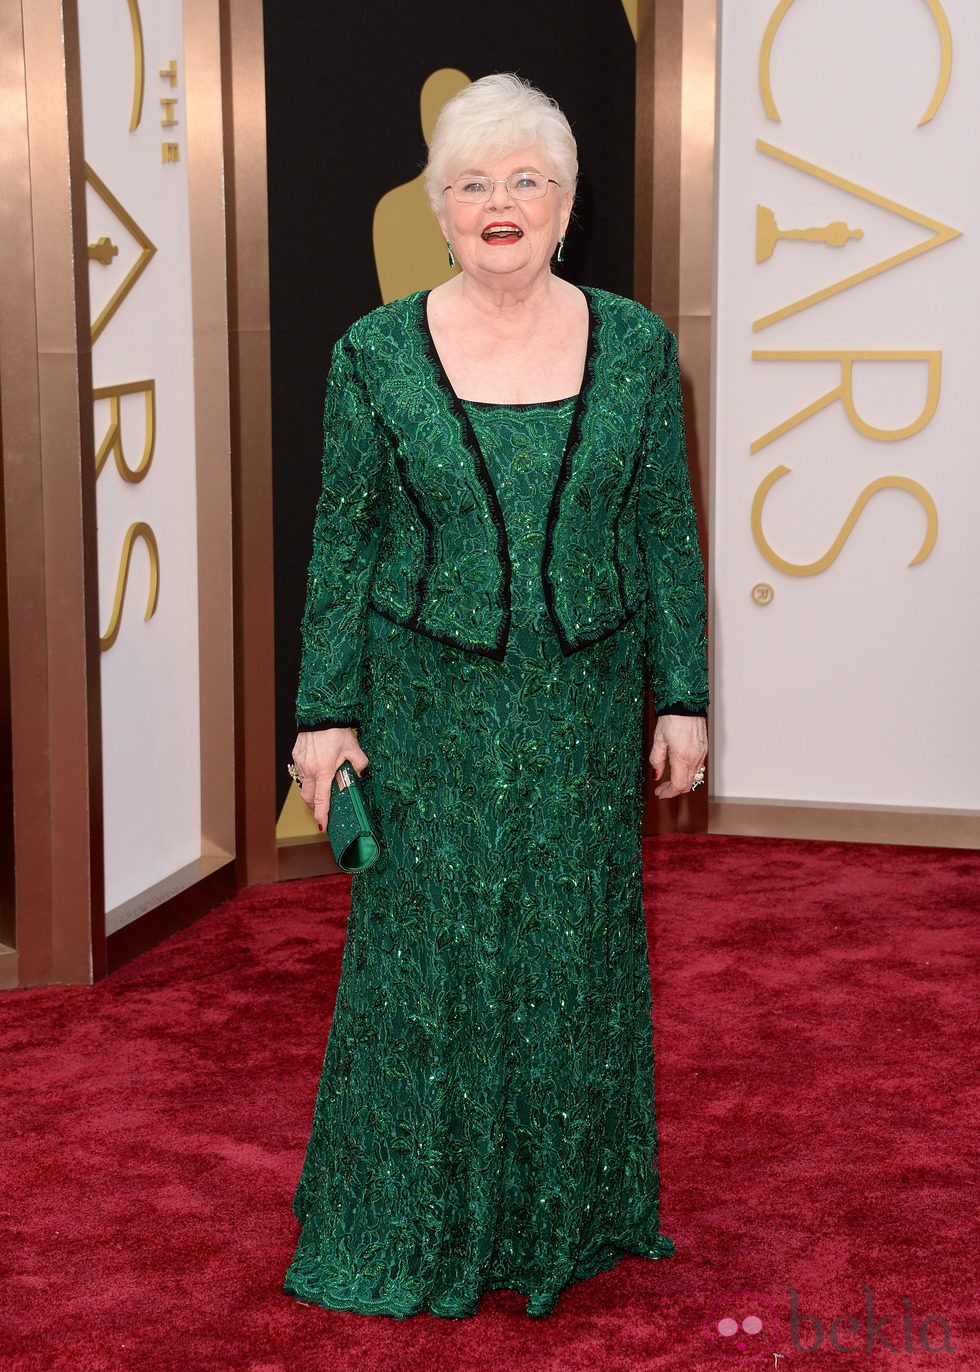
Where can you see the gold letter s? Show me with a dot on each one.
(901, 483)
(134, 532)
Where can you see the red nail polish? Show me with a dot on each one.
(319, 826)
(656, 774)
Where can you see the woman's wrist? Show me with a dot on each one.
(679, 708)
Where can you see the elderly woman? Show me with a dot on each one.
(504, 549)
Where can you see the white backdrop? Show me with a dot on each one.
(842, 673)
(150, 677)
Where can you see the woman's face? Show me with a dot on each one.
(505, 235)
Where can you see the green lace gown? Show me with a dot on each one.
(485, 1118)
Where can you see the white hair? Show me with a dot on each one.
(495, 116)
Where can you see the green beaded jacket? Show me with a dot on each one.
(408, 521)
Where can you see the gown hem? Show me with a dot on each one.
(540, 1301)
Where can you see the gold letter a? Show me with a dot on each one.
(941, 233)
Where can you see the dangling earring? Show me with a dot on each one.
(561, 249)
(452, 260)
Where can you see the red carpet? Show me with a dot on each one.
(816, 1011)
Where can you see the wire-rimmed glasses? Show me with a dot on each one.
(522, 185)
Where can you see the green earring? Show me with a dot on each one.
(452, 260)
(561, 248)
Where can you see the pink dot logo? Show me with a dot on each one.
(731, 1329)
(741, 1324)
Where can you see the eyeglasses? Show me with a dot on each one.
(522, 185)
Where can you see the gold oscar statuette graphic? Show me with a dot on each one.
(768, 234)
(145, 533)
(112, 441)
(104, 250)
(139, 65)
(146, 251)
(899, 483)
(409, 253)
(295, 823)
(780, 13)
(845, 391)
(940, 234)
(631, 8)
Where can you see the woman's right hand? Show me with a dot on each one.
(317, 756)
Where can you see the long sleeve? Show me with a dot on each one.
(346, 536)
(676, 639)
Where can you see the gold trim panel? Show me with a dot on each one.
(845, 824)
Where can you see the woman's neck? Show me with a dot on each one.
(513, 347)
(508, 300)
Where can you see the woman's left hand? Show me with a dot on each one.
(681, 741)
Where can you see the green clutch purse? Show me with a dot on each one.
(353, 840)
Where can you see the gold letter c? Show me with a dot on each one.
(780, 13)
